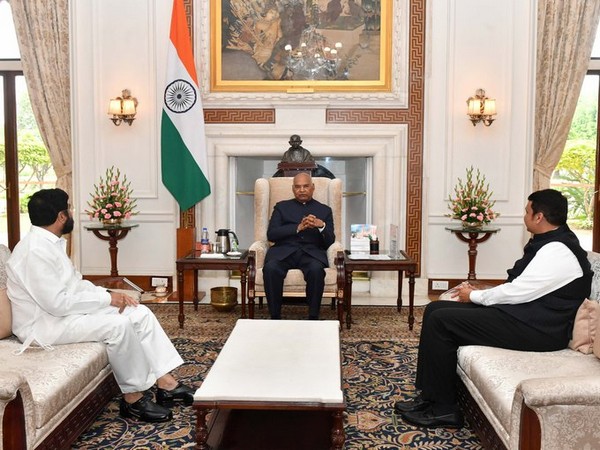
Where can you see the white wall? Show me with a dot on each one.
(118, 45)
(475, 44)
(470, 44)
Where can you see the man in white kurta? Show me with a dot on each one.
(52, 304)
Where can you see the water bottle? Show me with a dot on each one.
(204, 241)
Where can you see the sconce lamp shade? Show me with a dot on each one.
(123, 109)
(481, 108)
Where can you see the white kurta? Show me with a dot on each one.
(52, 304)
(552, 267)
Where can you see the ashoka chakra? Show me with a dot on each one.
(180, 96)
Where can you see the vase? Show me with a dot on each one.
(111, 221)
(472, 225)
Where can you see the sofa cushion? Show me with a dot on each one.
(56, 376)
(294, 281)
(596, 347)
(5, 313)
(584, 329)
(594, 259)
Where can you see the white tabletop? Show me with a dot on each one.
(277, 361)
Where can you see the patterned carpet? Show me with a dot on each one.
(379, 357)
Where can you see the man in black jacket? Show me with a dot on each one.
(533, 311)
(301, 230)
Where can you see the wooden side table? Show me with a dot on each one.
(113, 234)
(402, 263)
(195, 262)
(473, 237)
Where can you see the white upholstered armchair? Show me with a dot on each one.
(267, 192)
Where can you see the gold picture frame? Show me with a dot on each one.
(301, 46)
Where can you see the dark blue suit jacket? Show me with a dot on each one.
(284, 223)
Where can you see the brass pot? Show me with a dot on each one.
(223, 298)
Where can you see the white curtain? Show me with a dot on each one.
(42, 28)
(565, 37)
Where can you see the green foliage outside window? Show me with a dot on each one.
(34, 163)
(575, 174)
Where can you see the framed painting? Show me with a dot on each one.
(300, 46)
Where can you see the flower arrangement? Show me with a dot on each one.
(472, 202)
(111, 200)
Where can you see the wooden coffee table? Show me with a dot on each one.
(276, 365)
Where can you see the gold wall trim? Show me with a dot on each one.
(246, 116)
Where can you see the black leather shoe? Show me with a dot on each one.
(427, 418)
(416, 404)
(181, 392)
(146, 410)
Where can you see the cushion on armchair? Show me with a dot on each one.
(5, 313)
(584, 329)
(596, 346)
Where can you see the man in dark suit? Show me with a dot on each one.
(301, 230)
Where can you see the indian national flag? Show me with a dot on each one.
(183, 144)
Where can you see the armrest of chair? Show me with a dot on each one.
(554, 405)
(332, 253)
(540, 392)
(11, 383)
(260, 249)
(16, 403)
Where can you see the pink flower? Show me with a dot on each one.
(103, 210)
(107, 216)
(127, 215)
(463, 217)
(472, 215)
(108, 205)
(117, 213)
(118, 204)
(480, 217)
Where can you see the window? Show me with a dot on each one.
(25, 165)
(576, 174)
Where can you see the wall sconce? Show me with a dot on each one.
(123, 108)
(481, 109)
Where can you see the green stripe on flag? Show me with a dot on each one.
(180, 173)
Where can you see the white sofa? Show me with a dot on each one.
(530, 400)
(47, 398)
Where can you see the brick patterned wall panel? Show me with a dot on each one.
(239, 116)
(188, 5)
(370, 116)
(187, 219)
(413, 117)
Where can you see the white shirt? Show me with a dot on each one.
(552, 267)
(45, 289)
